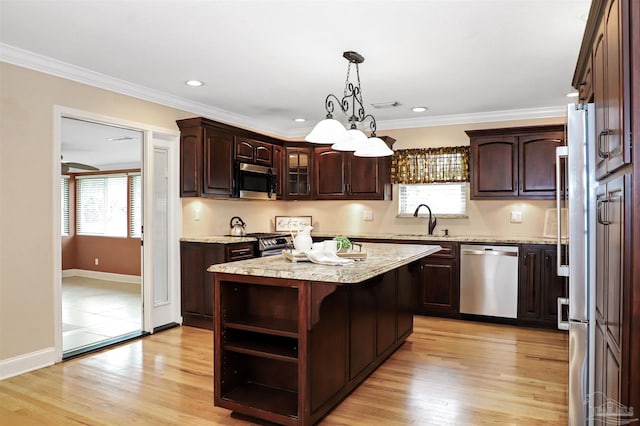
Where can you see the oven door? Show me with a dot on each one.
(271, 252)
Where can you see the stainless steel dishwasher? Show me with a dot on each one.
(489, 280)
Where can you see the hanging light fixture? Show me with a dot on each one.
(331, 131)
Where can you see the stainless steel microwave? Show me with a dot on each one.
(255, 182)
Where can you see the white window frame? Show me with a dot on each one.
(408, 200)
(64, 206)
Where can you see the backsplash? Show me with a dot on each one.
(487, 218)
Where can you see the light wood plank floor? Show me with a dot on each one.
(447, 373)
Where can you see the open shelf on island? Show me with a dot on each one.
(261, 345)
(258, 324)
(279, 401)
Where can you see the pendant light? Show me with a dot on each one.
(331, 131)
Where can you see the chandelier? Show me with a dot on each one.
(332, 131)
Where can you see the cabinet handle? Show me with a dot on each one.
(601, 153)
(601, 205)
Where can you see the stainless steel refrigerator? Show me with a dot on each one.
(576, 196)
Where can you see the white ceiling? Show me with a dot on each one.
(265, 63)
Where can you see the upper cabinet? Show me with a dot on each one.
(206, 160)
(208, 152)
(297, 163)
(613, 148)
(342, 175)
(516, 162)
(253, 152)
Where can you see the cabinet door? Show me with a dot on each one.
(211, 254)
(192, 273)
(614, 276)
(405, 302)
(218, 164)
(362, 326)
(494, 167)
(330, 174)
(190, 161)
(298, 173)
(530, 289)
(537, 174)
(438, 287)
(263, 154)
(613, 89)
(244, 150)
(278, 166)
(599, 83)
(366, 177)
(386, 312)
(553, 286)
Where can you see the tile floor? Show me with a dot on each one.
(97, 310)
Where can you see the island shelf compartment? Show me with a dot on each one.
(265, 385)
(261, 345)
(260, 308)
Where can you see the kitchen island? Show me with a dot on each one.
(291, 340)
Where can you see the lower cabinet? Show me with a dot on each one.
(197, 284)
(438, 282)
(539, 286)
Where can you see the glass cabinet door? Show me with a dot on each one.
(298, 173)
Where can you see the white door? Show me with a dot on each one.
(160, 231)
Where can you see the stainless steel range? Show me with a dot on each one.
(271, 244)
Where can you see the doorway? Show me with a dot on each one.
(118, 175)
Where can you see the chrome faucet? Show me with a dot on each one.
(432, 218)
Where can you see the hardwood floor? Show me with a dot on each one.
(447, 373)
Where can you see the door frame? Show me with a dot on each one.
(174, 223)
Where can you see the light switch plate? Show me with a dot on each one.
(516, 216)
(367, 215)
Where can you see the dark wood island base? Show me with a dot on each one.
(288, 351)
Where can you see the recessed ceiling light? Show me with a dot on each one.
(194, 83)
(572, 95)
(299, 120)
(419, 109)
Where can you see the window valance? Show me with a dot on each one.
(430, 165)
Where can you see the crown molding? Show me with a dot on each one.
(47, 65)
(27, 59)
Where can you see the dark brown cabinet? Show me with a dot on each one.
(253, 152)
(514, 162)
(612, 144)
(197, 284)
(610, 278)
(342, 175)
(609, 61)
(539, 286)
(287, 351)
(206, 159)
(438, 282)
(297, 164)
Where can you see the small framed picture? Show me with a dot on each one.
(288, 223)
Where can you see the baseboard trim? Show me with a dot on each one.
(98, 275)
(28, 362)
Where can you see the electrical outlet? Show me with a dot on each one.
(367, 215)
(516, 216)
(96, 261)
(196, 214)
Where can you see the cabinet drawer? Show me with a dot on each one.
(239, 252)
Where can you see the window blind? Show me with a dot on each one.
(101, 206)
(442, 198)
(64, 205)
(135, 206)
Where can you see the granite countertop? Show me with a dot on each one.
(381, 258)
(457, 238)
(224, 239)
(219, 239)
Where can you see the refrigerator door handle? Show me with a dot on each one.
(561, 152)
(562, 324)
